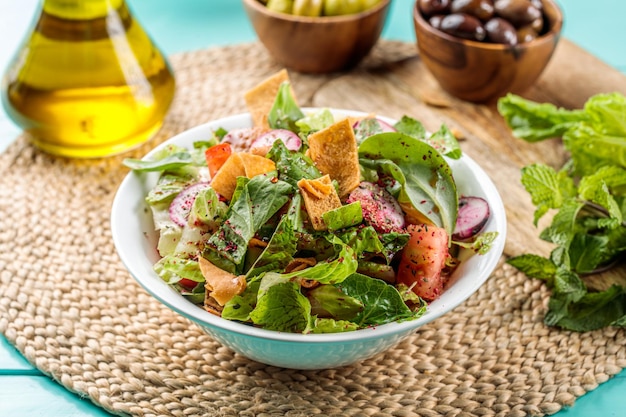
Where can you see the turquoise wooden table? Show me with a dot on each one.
(196, 24)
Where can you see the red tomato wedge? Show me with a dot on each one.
(423, 259)
(188, 284)
(216, 155)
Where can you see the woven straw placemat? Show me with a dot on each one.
(70, 307)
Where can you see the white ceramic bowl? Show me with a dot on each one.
(135, 240)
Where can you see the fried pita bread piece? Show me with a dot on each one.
(239, 164)
(219, 285)
(319, 196)
(334, 152)
(260, 98)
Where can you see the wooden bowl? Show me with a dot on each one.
(482, 72)
(317, 44)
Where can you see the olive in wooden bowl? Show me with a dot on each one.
(318, 44)
(480, 50)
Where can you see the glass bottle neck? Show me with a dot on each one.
(80, 9)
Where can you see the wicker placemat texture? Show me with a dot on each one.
(68, 304)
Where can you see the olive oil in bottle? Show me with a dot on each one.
(88, 81)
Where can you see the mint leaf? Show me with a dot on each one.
(411, 127)
(589, 196)
(445, 142)
(541, 182)
(534, 266)
(586, 252)
(593, 311)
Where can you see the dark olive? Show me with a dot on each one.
(526, 34)
(518, 12)
(500, 31)
(537, 24)
(463, 26)
(435, 21)
(433, 7)
(482, 9)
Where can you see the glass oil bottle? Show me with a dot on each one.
(87, 81)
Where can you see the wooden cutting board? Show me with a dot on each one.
(406, 87)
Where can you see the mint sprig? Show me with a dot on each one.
(588, 199)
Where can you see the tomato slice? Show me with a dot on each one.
(216, 155)
(423, 259)
(187, 283)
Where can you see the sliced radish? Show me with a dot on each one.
(380, 209)
(241, 138)
(473, 215)
(266, 140)
(180, 207)
(384, 126)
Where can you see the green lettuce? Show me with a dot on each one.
(315, 122)
(285, 112)
(443, 140)
(172, 269)
(283, 308)
(292, 166)
(425, 176)
(382, 302)
(345, 216)
(259, 200)
(588, 200)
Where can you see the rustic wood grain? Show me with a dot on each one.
(406, 87)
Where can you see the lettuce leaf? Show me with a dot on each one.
(315, 122)
(425, 176)
(283, 308)
(292, 166)
(327, 325)
(261, 197)
(279, 251)
(285, 112)
(172, 269)
(382, 302)
(328, 300)
(534, 122)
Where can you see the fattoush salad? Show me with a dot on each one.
(312, 223)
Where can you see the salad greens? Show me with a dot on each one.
(588, 196)
(299, 279)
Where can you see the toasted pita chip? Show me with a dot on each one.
(298, 264)
(240, 164)
(260, 98)
(334, 152)
(319, 196)
(220, 285)
(254, 165)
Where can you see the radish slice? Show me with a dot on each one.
(241, 138)
(385, 127)
(380, 209)
(472, 217)
(180, 207)
(266, 140)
